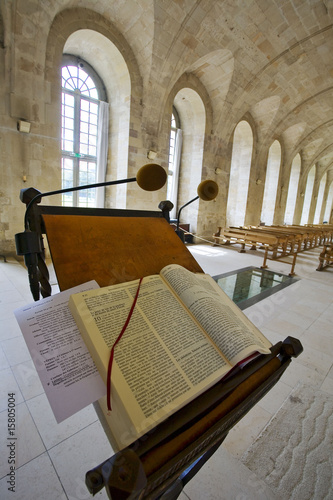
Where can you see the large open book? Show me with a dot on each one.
(185, 334)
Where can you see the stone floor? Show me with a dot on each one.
(51, 459)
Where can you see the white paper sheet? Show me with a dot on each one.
(68, 374)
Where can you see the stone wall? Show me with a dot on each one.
(219, 63)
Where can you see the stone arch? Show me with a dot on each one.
(329, 203)
(240, 169)
(264, 112)
(292, 189)
(192, 114)
(271, 182)
(92, 47)
(69, 21)
(193, 105)
(94, 35)
(215, 71)
(190, 81)
(320, 198)
(310, 179)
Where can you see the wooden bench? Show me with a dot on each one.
(287, 240)
(326, 257)
(318, 234)
(249, 237)
(296, 240)
(305, 237)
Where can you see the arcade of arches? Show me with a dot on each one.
(252, 84)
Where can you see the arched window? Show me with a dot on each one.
(320, 198)
(239, 174)
(82, 91)
(271, 183)
(329, 204)
(292, 190)
(175, 146)
(192, 119)
(308, 195)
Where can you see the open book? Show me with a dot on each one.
(185, 334)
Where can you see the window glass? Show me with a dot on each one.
(79, 119)
(173, 166)
(292, 190)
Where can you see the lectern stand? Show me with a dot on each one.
(114, 246)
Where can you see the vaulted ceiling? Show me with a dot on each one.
(270, 58)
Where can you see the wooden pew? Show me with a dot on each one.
(326, 257)
(288, 240)
(318, 234)
(311, 237)
(305, 236)
(248, 237)
(326, 231)
(296, 239)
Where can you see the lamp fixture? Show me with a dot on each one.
(23, 126)
(151, 155)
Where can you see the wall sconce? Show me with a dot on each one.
(302, 195)
(23, 126)
(218, 170)
(151, 155)
(258, 181)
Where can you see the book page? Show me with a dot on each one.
(163, 359)
(222, 320)
(67, 372)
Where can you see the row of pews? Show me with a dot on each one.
(278, 240)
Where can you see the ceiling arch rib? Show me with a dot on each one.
(215, 71)
(312, 112)
(264, 112)
(297, 75)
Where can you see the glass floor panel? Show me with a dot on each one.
(249, 285)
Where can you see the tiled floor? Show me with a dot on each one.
(52, 459)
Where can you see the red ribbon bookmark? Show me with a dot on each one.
(114, 345)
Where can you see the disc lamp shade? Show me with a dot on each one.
(151, 177)
(208, 190)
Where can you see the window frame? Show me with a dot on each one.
(75, 155)
(171, 154)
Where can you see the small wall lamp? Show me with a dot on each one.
(23, 126)
(151, 155)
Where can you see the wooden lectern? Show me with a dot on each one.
(113, 246)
